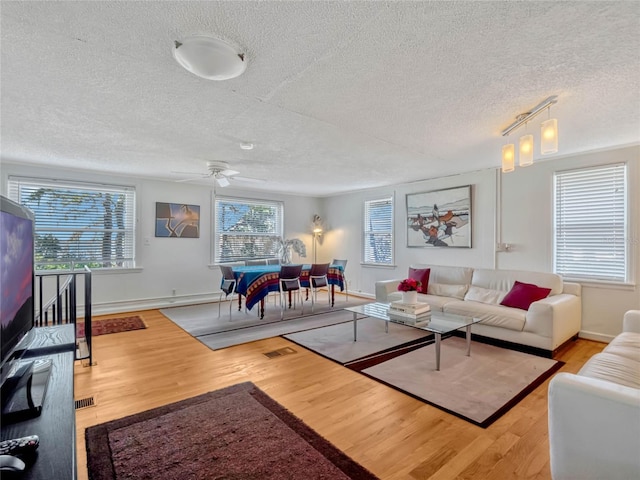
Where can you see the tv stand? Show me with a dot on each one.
(55, 426)
(23, 394)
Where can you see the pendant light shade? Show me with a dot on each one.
(508, 158)
(526, 151)
(549, 136)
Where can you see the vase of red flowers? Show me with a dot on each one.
(409, 288)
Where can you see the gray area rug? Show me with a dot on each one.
(203, 323)
(336, 341)
(479, 388)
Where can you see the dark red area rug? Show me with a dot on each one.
(238, 432)
(112, 325)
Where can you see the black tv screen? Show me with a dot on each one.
(17, 279)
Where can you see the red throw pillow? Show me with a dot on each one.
(522, 295)
(422, 275)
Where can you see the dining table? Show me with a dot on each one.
(254, 282)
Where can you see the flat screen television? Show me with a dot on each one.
(16, 302)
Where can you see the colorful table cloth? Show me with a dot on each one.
(256, 281)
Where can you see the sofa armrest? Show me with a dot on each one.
(594, 428)
(558, 317)
(631, 321)
(384, 288)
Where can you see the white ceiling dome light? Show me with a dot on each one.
(209, 57)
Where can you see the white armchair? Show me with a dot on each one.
(594, 416)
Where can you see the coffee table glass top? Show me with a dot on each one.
(440, 322)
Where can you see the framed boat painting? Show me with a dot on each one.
(440, 218)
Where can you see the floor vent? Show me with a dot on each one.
(85, 403)
(279, 353)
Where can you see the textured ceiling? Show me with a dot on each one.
(337, 96)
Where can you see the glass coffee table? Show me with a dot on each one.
(439, 324)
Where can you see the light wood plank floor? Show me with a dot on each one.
(392, 434)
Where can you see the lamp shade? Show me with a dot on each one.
(525, 157)
(508, 158)
(549, 136)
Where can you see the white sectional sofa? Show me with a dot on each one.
(594, 415)
(544, 327)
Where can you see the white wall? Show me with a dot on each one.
(523, 220)
(168, 264)
(527, 213)
(345, 221)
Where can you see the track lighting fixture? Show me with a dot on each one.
(548, 140)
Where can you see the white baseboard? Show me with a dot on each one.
(150, 303)
(597, 337)
(125, 306)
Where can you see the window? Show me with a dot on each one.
(591, 224)
(378, 232)
(79, 224)
(245, 229)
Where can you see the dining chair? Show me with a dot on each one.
(289, 283)
(249, 263)
(318, 278)
(343, 264)
(227, 287)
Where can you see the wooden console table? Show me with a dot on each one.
(56, 426)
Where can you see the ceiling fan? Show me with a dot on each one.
(219, 171)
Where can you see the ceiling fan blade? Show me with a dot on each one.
(229, 173)
(248, 179)
(194, 174)
(222, 181)
(191, 179)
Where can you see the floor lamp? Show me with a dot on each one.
(316, 233)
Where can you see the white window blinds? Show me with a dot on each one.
(378, 231)
(246, 229)
(79, 224)
(591, 223)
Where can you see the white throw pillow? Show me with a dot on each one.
(485, 295)
(446, 290)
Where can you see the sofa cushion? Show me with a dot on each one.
(493, 315)
(435, 302)
(447, 290)
(484, 295)
(421, 275)
(612, 368)
(626, 344)
(524, 294)
(504, 279)
(449, 275)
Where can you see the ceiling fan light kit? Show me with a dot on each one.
(209, 57)
(548, 141)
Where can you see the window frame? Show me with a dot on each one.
(620, 243)
(216, 257)
(366, 206)
(126, 261)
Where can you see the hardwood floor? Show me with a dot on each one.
(392, 434)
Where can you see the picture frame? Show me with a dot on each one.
(177, 220)
(439, 218)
